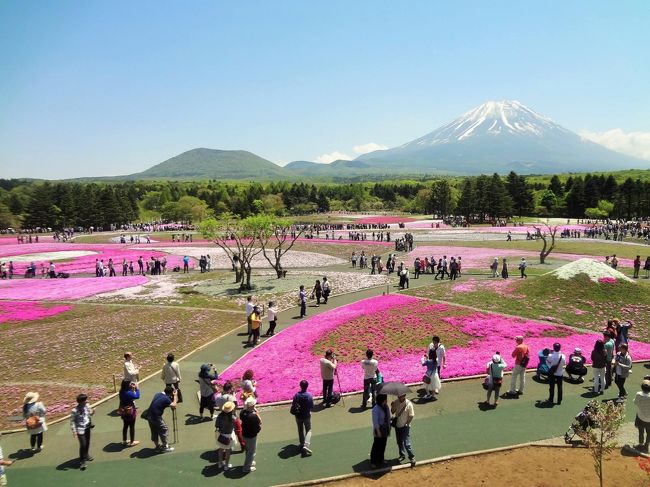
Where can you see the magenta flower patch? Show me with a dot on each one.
(64, 289)
(28, 310)
(471, 339)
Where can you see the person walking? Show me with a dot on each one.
(327, 289)
(81, 424)
(171, 375)
(3, 463)
(598, 358)
(380, 430)
(251, 426)
(521, 354)
(317, 291)
(186, 264)
(369, 366)
(207, 374)
(404, 413)
(34, 416)
(504, 269)
(327, 370)
(623, 367)
(556, 362)
(301, 407)
(437, 348)
(610, 347)
(494, 370)
(494, 267)
(272, 314)
(250, 307)
(131, 371)
(637, 266)
(157, 425)
(224, 428)
(431, 378)
(256, 325)
(129, 392)
(642, 421)
(522, 267)
(302, 298)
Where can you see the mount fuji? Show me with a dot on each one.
(500, 136)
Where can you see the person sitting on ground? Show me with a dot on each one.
(576, 365)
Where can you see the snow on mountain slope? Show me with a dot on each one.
(491, 118)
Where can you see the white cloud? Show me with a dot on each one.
(333, 156)
(369, 147)
(635, 144)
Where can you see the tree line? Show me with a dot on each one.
(32, 204)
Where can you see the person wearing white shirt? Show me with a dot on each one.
(642, 421)
(131, 371)
(272, 313)
(250, 307)
(369, 366)
(441, 353)
(171, 375)
(556, 362)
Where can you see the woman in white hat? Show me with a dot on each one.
(34, 415)
(225, 426)
(494, 370)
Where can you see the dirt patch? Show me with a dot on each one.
(530, 466)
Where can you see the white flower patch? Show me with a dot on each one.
(592, 268)
(219, 259)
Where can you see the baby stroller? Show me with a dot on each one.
(583, 421)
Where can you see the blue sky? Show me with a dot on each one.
(106, 88)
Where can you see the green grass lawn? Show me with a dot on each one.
(82, 348)
(568, 246)
(577, 302)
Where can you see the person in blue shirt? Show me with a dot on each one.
(157, 425)
(186, 264)
(301, 406)
(129, 392)
(380, 430)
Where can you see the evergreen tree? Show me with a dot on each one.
(467, 202)
(556, 186)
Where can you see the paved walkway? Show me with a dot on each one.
(342, 435)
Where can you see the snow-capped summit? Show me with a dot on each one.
(491, 118)
(499, 136)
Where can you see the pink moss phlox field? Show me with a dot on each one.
(86, 263)
(64, 289)
(380, 220)
(481, 258)
(281, 362)
(503, 287)
(28, 310)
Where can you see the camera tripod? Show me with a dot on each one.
(175, 426)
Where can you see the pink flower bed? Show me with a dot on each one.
(607, 280)
(481, 257)
(86, 263)
(503, 287)
(64, 289)
(381, 220)
(281, 362)
(28, 310)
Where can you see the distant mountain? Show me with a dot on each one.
(499, 137)
(214, 164)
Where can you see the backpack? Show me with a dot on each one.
(295, 407)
